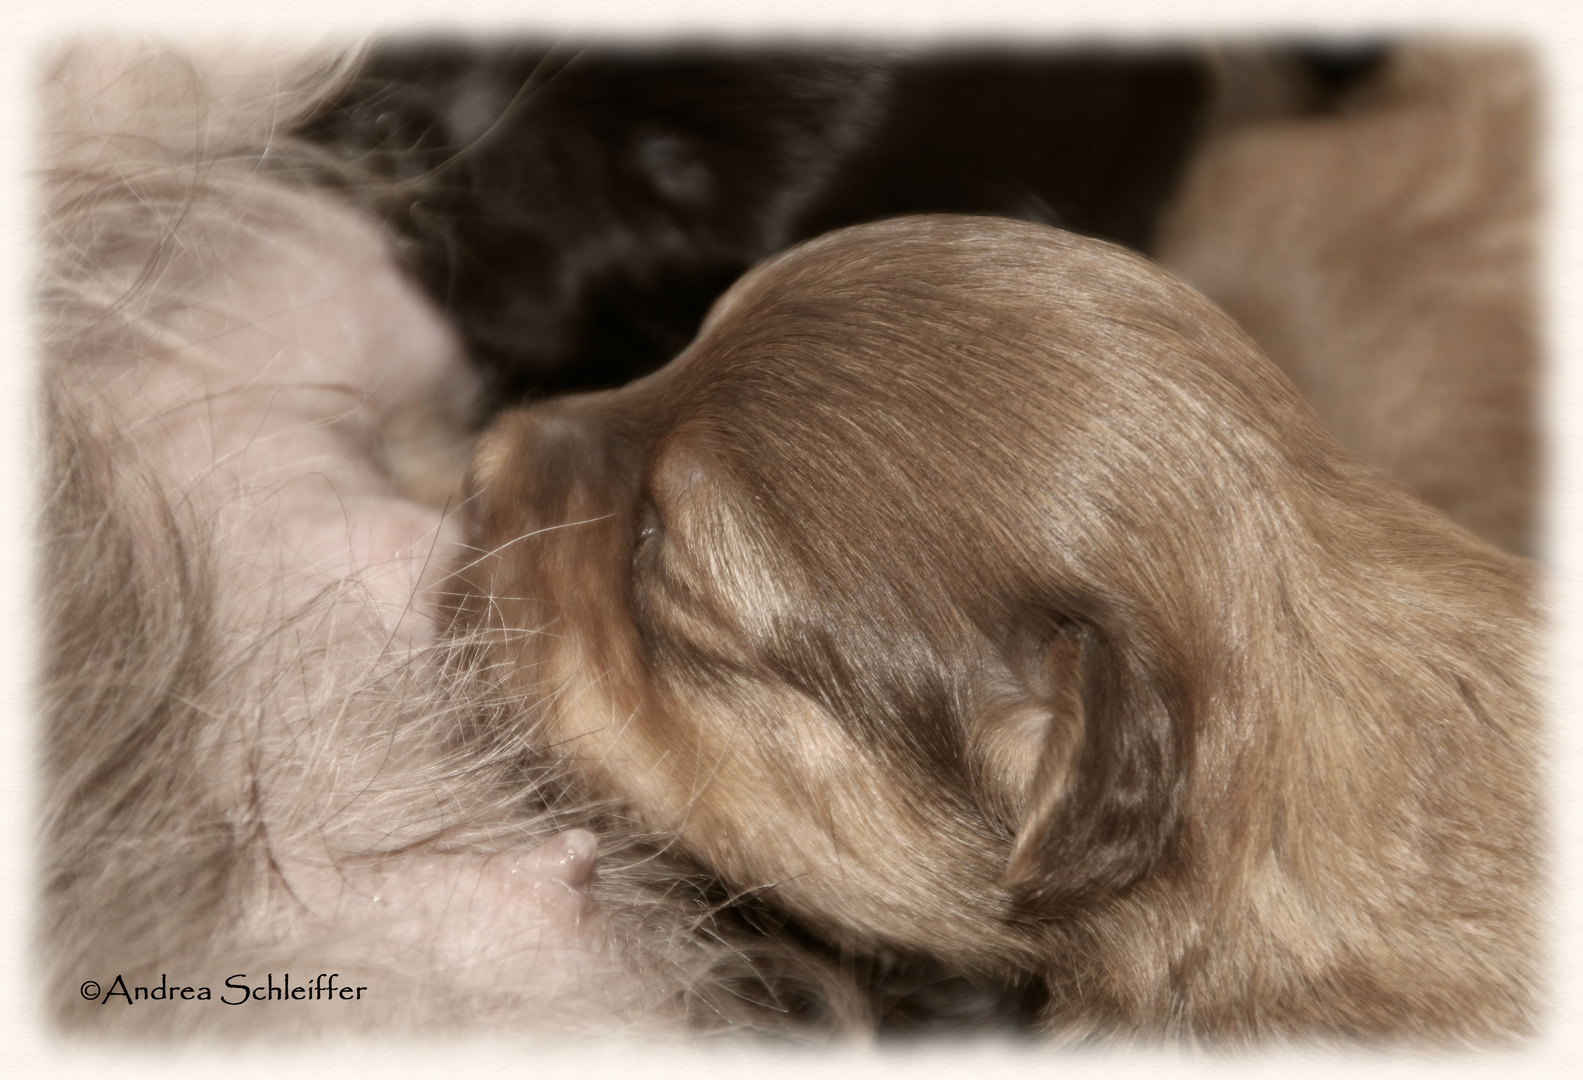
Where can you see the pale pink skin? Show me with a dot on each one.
(483, 919)
(308, 347)
(306, 353)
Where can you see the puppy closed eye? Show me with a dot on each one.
(672, 509)
(648, 531)
(659, 566)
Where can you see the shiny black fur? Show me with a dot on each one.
(575, 211)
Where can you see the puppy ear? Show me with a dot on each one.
(1100, 737)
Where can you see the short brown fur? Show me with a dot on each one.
(980, 590)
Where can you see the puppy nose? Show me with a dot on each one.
(492, 455)
(536, 462)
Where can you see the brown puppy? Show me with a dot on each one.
(982, 591)
(1383, 258)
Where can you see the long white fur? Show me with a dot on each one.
(231, 362)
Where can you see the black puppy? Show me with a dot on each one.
(575, 211)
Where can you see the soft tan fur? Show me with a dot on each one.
(979, 590)
(1384, 258)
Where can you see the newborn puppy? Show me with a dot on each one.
(978, 590)
(1384, 258)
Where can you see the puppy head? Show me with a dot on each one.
(890, 593)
